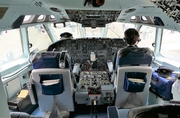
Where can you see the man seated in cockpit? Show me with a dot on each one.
(131, 36)
(66, 35)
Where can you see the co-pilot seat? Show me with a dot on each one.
(150, 111)
(132, 73)
(53, 82)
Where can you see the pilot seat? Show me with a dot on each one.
(132, 75)
(51, 77)
(150, 111)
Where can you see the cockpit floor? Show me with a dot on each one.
(82, 111)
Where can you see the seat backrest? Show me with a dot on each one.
(132, 56)
(50, 59)
(132, 75)
(61, 92)
(52, 76)
(132, 79)
(22, 115)
(156, 111)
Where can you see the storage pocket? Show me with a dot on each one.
(51, 84)
(134, 81)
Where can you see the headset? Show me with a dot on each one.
(64, 60)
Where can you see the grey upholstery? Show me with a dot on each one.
(167, 110)
(121, 94)
(112, 112)
(131, 56)
(156, 111)
(22, 115)
(131, 60)
(64, 100)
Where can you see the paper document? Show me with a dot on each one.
(50, 82)
(23, 94)
(136, 80)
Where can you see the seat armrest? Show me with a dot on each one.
(175, 101)
(22, 115)
(112, 112)
(110, 67)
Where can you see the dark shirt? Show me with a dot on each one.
(125, 51)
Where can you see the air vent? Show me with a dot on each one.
(130, 10)
(55, 9)
(38, 4)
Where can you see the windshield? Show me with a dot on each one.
(72, 27)
(112, 30)
(93, 32)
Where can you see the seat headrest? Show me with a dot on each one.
(134, 56)
(48, 59)
(51, 59)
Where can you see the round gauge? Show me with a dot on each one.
(77, 60)
(109, 49)
(87, 82)
(102, 60)
(84, 45)
(73, 61)
(84, 61)
(84, 50)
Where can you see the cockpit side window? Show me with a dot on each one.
(10, 46)
(38, 37)
(170, 46)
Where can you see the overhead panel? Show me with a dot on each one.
(16, 2)
(93, 18)
(171, 8)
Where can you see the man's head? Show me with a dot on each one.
(66, 35)
(131, 36)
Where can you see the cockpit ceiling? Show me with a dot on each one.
(2, 11)
(170, 7)
(93, 18)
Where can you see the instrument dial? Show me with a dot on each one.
(84, 50)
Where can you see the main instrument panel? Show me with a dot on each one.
(89, 59)
(81, 49)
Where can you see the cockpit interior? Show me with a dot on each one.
(71, 59)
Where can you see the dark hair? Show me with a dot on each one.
(129, 35)
(66, 35)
